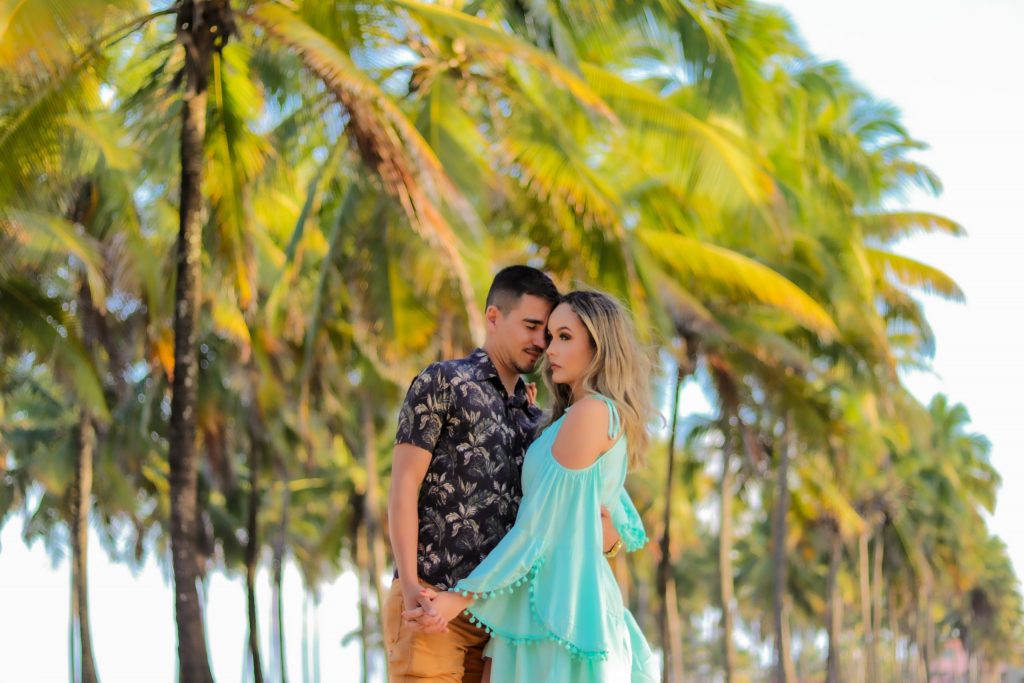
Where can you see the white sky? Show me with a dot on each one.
(953, 67)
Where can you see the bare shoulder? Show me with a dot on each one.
(583, 436)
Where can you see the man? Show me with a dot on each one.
(455, 481)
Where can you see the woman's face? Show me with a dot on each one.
(570, 350)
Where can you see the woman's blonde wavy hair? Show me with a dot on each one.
(620, 369)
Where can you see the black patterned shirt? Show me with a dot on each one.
(460, 412)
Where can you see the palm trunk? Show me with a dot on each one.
(278, 574)
(898, 672)
(786, 640)
(198, 26)
(865, 605)
(923, 617)
(72, 641)
(316, 637)
(876, 608)
(252, 530)
(371, 506)
(725, 576)
(364, 600)
(305, 632)
(929, 629)
(918, 629)
(783, 660)
(675, 633)
(669, 646)
(835, 606)
(81, 495)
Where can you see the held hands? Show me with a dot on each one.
(531, 393)
(429, 611)
(419, 599)
(440, 608)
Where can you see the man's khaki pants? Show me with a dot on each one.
(455, 656)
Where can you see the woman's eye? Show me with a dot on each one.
(563, 337)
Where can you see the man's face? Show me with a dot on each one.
(522, 332)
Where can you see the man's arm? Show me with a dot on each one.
(408, 468)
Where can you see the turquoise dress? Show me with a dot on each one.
(546, 594)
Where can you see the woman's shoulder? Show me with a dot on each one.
(584, 434)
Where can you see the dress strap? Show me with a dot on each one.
(614, 423)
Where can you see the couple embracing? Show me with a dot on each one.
(502, 517)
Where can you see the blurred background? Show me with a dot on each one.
(231, 233)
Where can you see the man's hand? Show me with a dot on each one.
(447, 606)
(609, 533)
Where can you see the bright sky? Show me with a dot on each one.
(952, 66)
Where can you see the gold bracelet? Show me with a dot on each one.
(614, 550)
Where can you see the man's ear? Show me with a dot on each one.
(491, 314)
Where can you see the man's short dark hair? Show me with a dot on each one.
(511, 283)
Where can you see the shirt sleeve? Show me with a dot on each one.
(425, 409)
(627, 522)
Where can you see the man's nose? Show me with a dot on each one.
(541, 340)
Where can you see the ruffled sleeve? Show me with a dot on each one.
(531, 586)
(627, 522)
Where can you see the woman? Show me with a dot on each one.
(546, 594)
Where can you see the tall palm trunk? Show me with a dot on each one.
(865, 604)
(363, 571)
(316, 637)
(898, 672)
(929, 630)
(81, 495)
(669, 645)
(835, 606)
(81, 489)
(201, 27)
(277, 573)
(675, 632)
(876, 602)
(252, 547)
(783, 658)
(725, 576)
(305, 631)
(371, 505)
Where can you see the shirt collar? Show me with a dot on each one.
(483, 369)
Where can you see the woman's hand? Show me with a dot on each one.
(531, 393)
(447, 606)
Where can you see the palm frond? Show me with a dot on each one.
(42, 234)
(891, 226)
(454, 24)
(914, 274)
(237, 156)
(46, 329)
(46, 36)
(672, 132)
(387, 142)
(710, 268)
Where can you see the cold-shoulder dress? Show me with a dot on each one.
(546, 594)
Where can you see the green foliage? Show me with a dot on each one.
(368, 166)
